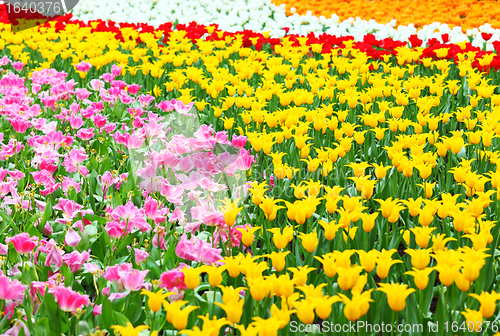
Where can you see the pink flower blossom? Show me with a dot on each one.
(107, 77)
(68, 299)
(49, 101)
(85, 133)
(153, 212)
(100, 121)
(69, 208)
(74, 159)
(140, 256)
(197, 250)
(111, 273)
(180, 107)
(17, 327)
(134, 141)
(23, 243)
(11, 149)
(54, 257)
(239, 141)
(107, 180)
(72, 238)
(48, 166)
(172, 279)
(75, 260)
(97, 310)
(20, 125)
(92, 268)
(18, 65)
(116, 296)
(116, 71)
(11, 290)
(130, 215)
(159, 238)
(133, 88)
(68, 183)
(133, 280)
(110, 127)
(145, 100)
(165, 106)
(83, 66)
(75, 122)
(96, 84)
(177, 215)
(82, 94)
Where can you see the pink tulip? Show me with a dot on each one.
(75, 122)
(72, 238)
(152, 211)
(116, 71)
(166, 106)
(140, 256)
(239, 141)
(177, 215)
(111, 273)
(54, 257)
(172, 279)
(133, 88)
(18, 65)
(134, 280)
(10, 290)
(145, 100)
(20, 125)
(49, 101)
(100, 121)
(115, 296)
(68, 299)
(4, 61)
(107, 77)
(82, 94)
(68, 183)
(16, 329)
(83, 66)
(85, 133)
(134, 141)
(97, 310)
(110, 127)
(69, 208)
(74, 158)
(75, 260)
(23, 243)
(197, 250)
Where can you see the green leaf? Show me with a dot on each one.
(94, 218)
(107, 318)
(42, 327)
(120, 318)
(153, 267)
(53, 311)
(135, 308)
(47, 213)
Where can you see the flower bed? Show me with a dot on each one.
(392, 19)
(202, 181)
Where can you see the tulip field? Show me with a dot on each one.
(178, 178)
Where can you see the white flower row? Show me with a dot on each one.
(262, 15)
